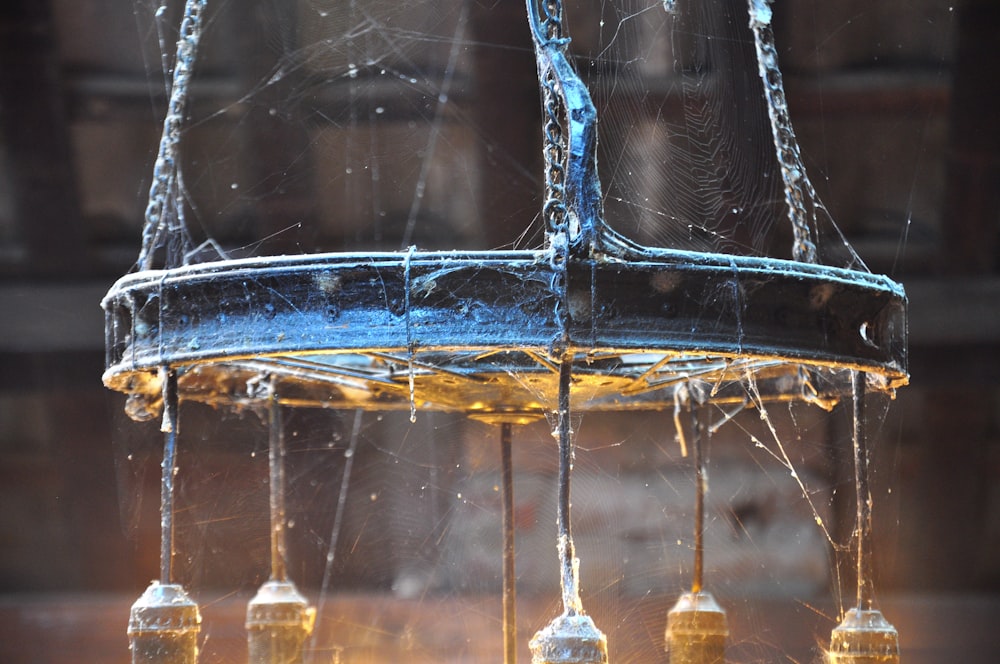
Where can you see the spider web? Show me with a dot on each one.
(355, 126)
(385, 142)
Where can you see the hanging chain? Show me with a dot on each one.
(554, 209)
(164, 218)
(547, 33)
(553, 19)
(574, 209)
(799, 193)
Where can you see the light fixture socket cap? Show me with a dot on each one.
(697, 614)
(569, 639)
(279, 604)
(164, 607)
(864, 637)
(696, 630)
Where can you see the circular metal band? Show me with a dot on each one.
(476, 329)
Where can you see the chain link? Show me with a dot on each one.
(799, 193)
(554, 210)
(164, 211)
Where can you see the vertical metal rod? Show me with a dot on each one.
(276, 459)
(572, 637)
(169, 469)
(701, 482)
(697, 628)
(567, 553)
(864, 495)
(164, 622)
(279, 619)
(509, 576)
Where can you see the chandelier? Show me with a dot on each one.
(590, 322)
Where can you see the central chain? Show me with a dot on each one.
(554, 209)
(554, 151)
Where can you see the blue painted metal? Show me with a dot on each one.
(483, 332)
(479, 324)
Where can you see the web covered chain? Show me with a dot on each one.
(799, 193)
(554, 150)
(554, 209)
(164, 217)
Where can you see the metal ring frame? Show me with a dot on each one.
(476, 329)
(483, 332)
